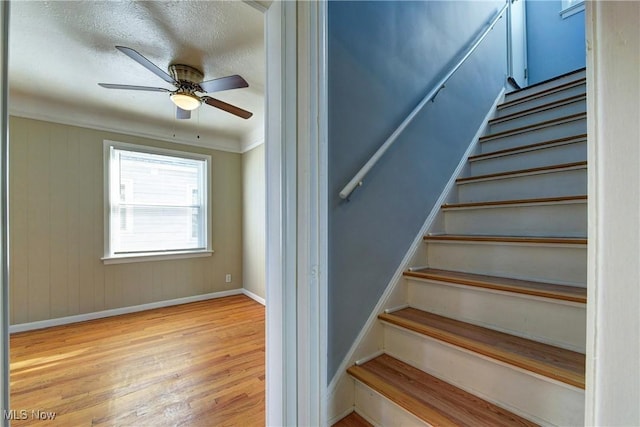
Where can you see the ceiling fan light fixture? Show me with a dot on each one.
(186, 101)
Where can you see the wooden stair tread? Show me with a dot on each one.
(430, 399)
(514, 202)
(539, 108)
(532, 126)
(353, 420)
(553, 362)
(523, 171)
(506, 239)
(540, 289)
(570, 139)
(542, 93)
(561, 76)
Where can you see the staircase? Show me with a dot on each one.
(494, 328)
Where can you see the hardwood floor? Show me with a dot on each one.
(199, 364)
(353, 420)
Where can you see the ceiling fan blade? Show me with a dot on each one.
(237, 111)
(182, 114)
(223, 83)
(130, 87)
(146, 63)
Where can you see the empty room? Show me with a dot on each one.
(136, 182)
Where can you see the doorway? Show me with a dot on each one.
(517, 42)
(555, 40)
(6, 282)
(283, 349)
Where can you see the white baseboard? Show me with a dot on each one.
(254, 297)
(396, 280)
(23, 327)
(340, 416)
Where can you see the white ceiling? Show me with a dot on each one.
(59, 51)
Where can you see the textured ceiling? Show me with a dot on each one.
(60, 51)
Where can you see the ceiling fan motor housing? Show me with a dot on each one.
(186, 76)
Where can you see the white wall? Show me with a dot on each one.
(372, 86)
(613, 82)
(253, 221)
(4, 285)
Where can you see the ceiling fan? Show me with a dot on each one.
(188, 81)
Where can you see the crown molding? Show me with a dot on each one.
(186, 132)
(253, 140)
(211, 142)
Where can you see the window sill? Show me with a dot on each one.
(123, 259)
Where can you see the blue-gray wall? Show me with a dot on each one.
(554, 45)
(383, 57)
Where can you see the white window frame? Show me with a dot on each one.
(571, 7)
(109, 256)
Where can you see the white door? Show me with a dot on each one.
(517, 42)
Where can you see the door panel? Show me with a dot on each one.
(518, 42)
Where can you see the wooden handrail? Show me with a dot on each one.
(357, 180)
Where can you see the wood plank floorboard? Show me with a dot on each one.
(198, 364)
(353, 420)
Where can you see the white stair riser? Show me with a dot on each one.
(564, 219)
(381, 411)
(552, 184)
(543, 99)
(564, 264)
(544, 320)
(529, 395)
(548, 133)
(549, 156)
(539, 116)
(544, 86)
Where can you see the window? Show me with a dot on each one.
(571, 7)
(156, 203)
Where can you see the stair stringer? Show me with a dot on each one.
(341, 392)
